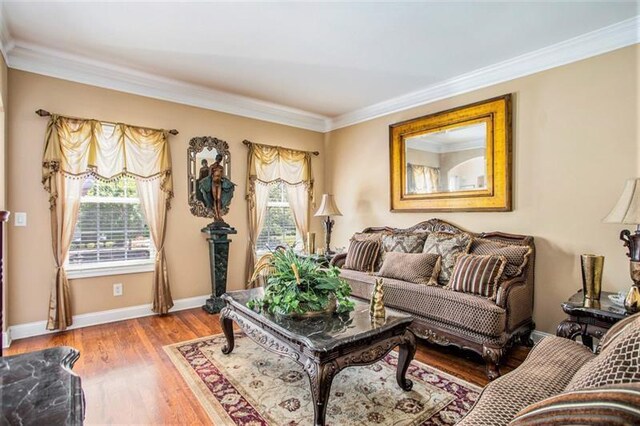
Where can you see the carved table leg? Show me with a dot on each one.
(406, 353)
(320, 377)
(569, 329)
(227, 328)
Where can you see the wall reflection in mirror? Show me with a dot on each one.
(447, 160)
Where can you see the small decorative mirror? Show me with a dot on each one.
(456, 160)
(206, 153)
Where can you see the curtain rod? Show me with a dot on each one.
(247, 143)
(43, 113)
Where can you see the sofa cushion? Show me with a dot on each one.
(609, 405)
(546, 372)
(449, 246)
(477, 274)
(362, 255)
(618, 362)
(436, 303)
(417, 268)
(401, 243)
(517, 256)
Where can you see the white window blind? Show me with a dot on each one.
(279, 227)
(111, 228)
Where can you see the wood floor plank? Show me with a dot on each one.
(128, 378)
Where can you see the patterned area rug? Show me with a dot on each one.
(252, 386)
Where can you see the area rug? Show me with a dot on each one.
(252, 386)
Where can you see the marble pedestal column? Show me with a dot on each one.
(218, 239)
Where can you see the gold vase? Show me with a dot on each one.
(591, 276)
(311, 243)
(632, 301)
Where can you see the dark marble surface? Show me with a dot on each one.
(39, 388)
(322, 333)
(218, 262)
(604, 309)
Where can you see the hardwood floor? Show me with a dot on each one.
(128, 379)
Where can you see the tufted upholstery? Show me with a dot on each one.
(546, 372)
(466, 311)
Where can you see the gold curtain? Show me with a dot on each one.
(75, 149)
(268, 164)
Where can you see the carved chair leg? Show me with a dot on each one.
(492, 356)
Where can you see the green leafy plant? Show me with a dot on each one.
(298, 285)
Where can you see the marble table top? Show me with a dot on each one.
(39, 388)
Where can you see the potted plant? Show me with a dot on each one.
(297, 286)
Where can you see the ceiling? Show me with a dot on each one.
(321, 61)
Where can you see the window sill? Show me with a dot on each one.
(107, 270)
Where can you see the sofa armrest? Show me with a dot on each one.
(338, 260)
(611, 405)
(505, 289)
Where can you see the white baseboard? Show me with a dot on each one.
(21, 331)
(6, 338)
(537, 335)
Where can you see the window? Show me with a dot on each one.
(279, 227)
(111, 235)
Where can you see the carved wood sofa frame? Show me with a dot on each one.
(512, 294)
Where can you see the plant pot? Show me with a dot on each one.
(327, 311)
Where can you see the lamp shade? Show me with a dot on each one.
(627, 209)
(328, 207)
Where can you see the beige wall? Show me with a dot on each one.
(4, 98)
(31, 260)
(575, 142)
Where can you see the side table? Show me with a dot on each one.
(589, 322)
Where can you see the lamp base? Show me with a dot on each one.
(632, 241)
(328, 226)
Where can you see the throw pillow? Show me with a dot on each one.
(618, 362)
(401, 243)
(615, 331)
(417, 268)
(448, 246)
(604, 406)
(477, 274)
(362, 255)
(517, 256)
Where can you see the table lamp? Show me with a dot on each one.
(328, 208)
(627, 211)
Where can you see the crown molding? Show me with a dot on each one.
(54, 63)
(603, 40)
(6, 42)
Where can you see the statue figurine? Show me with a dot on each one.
(376, 308)
(215, 188)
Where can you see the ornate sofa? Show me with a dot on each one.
(446, 317)
(562, 382)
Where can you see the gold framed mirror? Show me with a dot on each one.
(455, 160)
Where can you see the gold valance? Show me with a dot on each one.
(269, 164)
(79, 148)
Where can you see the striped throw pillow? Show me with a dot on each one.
(362, 255)
(477, 274)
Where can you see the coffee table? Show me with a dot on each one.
(323, 346)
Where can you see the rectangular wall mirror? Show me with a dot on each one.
(456, 160)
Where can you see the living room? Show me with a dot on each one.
(325, 84)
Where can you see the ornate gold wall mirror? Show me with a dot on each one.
(455, 160)
(205, 152)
